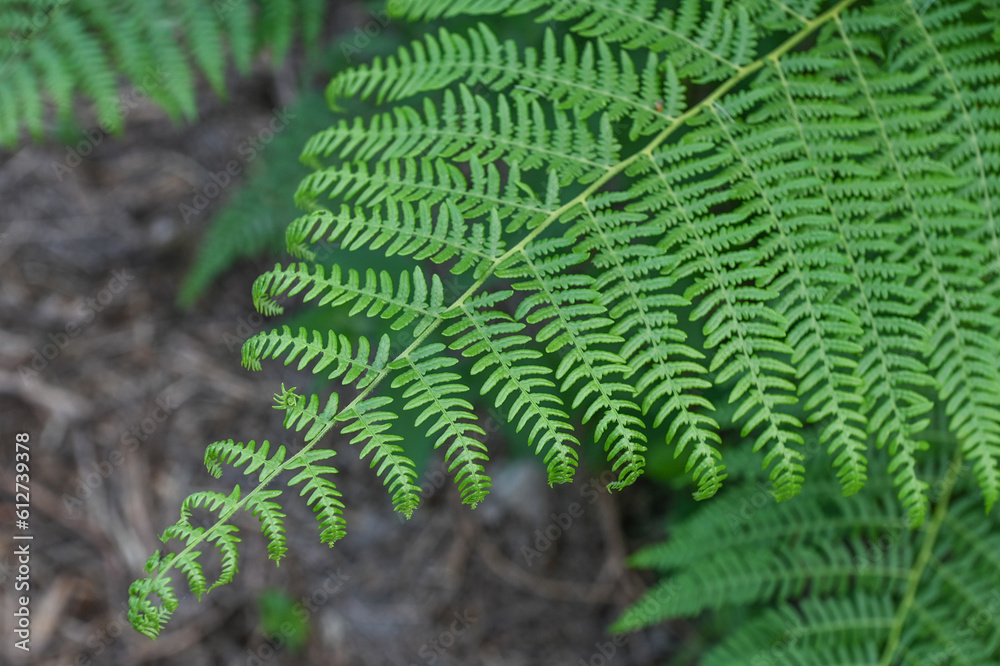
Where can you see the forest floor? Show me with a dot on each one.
(120, 391)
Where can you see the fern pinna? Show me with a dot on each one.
(815, 184)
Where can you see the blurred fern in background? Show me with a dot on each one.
(56, 50)
(829, 580)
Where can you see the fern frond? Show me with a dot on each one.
(495, 338)
(271, 519)
(260, 504)
(223, 536)
(149, 617)
(813, 185)
(199, 22)
(516, 130)
(802, 253)
(146, 616)
(429, 388)
(353, 368)
(405, 231)
(370, 422)
(958, 316)
(324, 498)
(801, 634)
(71, 37)
(239, 454)
(432, 182)
(238, 21)
(866, 280)
(190, 566)
(589, 80)
(632, 288)
(576, 326)
(277, 21)
(301, 412)
(749, 333)
(954, 44)
(376, 296)
(702, 42)
(56, 76)
(172, 82)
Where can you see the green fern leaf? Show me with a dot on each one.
(371, 424)
(376, 296)
(238, 454)
(336, 352)
(408, 232)
(705, 43)
(429, 388)
(582, 80)
(574, 325)
(645, 320)
(271, 521)
(324, 497)
(277, 22)
(200, 24)
(145, 616)
(517, 130)
(494, 336)
(301, 412)
(777, 219)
